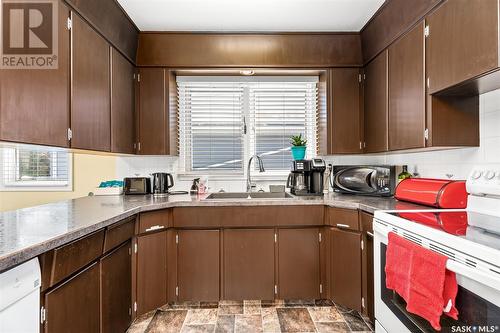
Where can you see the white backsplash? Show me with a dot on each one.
(436, 164)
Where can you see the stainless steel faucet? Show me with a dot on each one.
(261, 169)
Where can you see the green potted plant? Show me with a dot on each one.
(298, 147)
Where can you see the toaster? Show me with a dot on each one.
(136, 185)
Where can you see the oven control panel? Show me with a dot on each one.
(484, 181)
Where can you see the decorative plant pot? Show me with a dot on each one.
(299, 152)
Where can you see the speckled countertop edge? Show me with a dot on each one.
(29, 232)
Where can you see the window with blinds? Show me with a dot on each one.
(35, 167)
(223, 121)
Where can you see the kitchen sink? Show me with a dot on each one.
(253, 195)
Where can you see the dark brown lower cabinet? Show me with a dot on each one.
(116, 290)
(198, 265)
(298, 263)
(346, 268)
(151, 278)
(74, 305)
(248, 270)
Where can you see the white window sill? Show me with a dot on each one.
(35, 187)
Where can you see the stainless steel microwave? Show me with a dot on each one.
(380, 180)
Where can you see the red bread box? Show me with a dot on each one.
(439, 193)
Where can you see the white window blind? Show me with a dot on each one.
(210, 125)
(280, 110)
(225, 120)
(35, 167)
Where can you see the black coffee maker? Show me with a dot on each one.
(306, 177)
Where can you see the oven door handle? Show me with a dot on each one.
(473, 273)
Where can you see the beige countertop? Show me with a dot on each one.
(26, 233)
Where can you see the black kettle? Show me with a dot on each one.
(162, 181)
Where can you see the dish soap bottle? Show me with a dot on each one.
(404, 174)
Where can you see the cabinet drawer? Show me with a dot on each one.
(366, 222)
(343, 218)
(152, 221)
(73, 256)
(119, 233)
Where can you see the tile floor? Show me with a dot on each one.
(252, 316)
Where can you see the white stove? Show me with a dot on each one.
(470, 238)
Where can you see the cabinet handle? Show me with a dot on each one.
(155, 227)
(369, 234)
(340, 225)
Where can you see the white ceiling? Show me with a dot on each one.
(250, 15)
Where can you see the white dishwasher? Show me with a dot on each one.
(20, 298)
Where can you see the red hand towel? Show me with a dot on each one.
(420, 277)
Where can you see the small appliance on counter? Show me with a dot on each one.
(438, 193)
(379, 181)
(137, 185)
(306, 177)
(162, 181)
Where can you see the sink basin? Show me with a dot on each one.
(253, 195)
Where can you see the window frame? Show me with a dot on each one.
(185, 174)
(33, 185)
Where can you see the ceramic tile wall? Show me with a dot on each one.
(455, 163)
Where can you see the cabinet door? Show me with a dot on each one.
(345, 115)
(90, 106)
(248, 264)
(298, 264)
(375, 94)
(407, 91)
(116, 290)
(151, 277)
(462, 42)
(367, 275)
(122, 104)
(198, 265)
(34, 104)
(153, 136)
(346, 268)
(74, 305)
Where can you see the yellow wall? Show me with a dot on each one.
(88, 171)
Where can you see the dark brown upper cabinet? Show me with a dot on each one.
(407, 91)
(157, 92)
(462, 42)
(376, 105)
(248, 270)
(298, 265)
(345, 114)
(198, 265)
(122, 104)
(90, 106)
(34, 104)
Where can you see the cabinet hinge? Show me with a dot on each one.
(177, 239)
(43, 315)
(138, 77)
(138, 146)
(275, 237)
(276, 289)
(129, 251)
(363, 302)
(427, 31)
(319, 237)
(362, 245)
(428, 82)
(129, 311)
(360, 145)
(364, 144)
(360, 78)
(320, 288)
(426, 134)
(69, 23)
(135, 247)
(135, 306)
(70, 134)
(177, 291)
